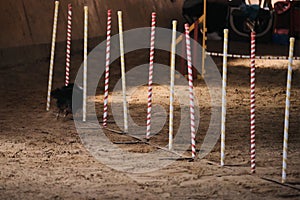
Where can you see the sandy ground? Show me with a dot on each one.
(44, 158)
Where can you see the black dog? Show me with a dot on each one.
(64, 97)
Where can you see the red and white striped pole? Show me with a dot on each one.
(252, 102)
(85, 62)
(68, 52)
(106, 81)
(149, 107)
(191, 92)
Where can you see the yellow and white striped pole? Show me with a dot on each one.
(287, 110)
(125, 111)
(224, 81)
(52, 55)
(172, 76)
(85, 52)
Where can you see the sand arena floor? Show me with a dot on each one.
(44, 158)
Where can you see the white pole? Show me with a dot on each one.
(52, 55)
(287, 111)
(123, 72)
(172, 75)
(223, 119)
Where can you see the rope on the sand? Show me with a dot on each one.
(180, 156)
(123, 71)
(287, 110)
(106, 80)
(191, 92)
(248, 56)
(252, 102)
(224, 81)
(68, 51)
(172, 76)
(149, 106)
(52, 55)
(85, 63)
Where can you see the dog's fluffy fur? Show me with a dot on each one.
(64, 97)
